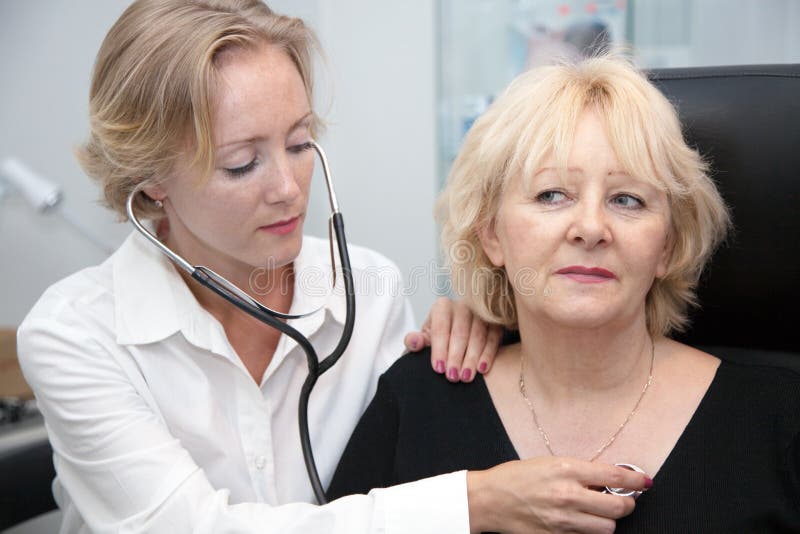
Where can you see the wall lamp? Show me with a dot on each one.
(43, 196)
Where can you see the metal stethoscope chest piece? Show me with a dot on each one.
(239, 298)
(624, 492)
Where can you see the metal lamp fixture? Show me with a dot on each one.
(43, 196)
(40, 193)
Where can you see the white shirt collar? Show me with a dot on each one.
(312, 286)
(153, 302)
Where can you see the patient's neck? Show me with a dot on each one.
(563, 362)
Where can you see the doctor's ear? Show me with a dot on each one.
(156, 193)
(491, 244)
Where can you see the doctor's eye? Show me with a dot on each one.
(302, 147)
(237, 172)
(627, 201)
(551, 197)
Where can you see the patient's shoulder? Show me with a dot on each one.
(766, 381)
(413, 367)
(416, 386)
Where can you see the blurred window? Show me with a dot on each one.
(483, 44)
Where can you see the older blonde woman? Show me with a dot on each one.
(577, 214)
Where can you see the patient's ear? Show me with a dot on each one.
(666, 256)
(491, 244)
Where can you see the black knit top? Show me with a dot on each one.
(735, 468)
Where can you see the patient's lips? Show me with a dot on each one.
(587, 275)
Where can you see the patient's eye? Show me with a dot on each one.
(627, 201)
(551, 197)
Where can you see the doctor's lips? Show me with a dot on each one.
(588, 275)
(282, 227)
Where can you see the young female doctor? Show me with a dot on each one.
(168, 409)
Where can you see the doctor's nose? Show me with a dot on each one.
(281, 183)
(589, 228)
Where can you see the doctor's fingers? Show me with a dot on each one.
(605, 505)
(564, 505)
(580, 509)
(567, 522)
(462, 333)
(494, 335)
(601, 475)
(544, 494)
(416, 341)
(439, 314)
(439, 326)
(478, 352)
(577, 522)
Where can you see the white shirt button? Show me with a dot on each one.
(261, 462)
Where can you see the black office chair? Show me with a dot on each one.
(746, 121)
(26, 473)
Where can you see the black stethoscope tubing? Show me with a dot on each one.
(238, 298)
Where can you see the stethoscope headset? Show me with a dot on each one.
(236, 296)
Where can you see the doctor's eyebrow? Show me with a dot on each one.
(299, 123)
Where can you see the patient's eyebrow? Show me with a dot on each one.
(579, 170)
(544, 170)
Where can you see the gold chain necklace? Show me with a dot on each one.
(619, 429)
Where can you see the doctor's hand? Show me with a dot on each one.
(461, 343)
(550, 494)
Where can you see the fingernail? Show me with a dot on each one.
(452, 374)
(439, 366)
(466, 374)
(482, 367)
(648, 483)
(414, 344)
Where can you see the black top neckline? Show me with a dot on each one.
(497, 421)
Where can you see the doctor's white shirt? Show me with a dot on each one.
(158, 427)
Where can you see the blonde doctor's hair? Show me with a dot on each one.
(535, 117)
(150, 97)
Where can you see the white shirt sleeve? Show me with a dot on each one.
(125, 472)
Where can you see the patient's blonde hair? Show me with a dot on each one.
(151, 89)
(535, 117)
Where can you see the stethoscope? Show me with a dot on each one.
(275, 319)
(624, 492)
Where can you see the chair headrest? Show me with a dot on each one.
(746, 121)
